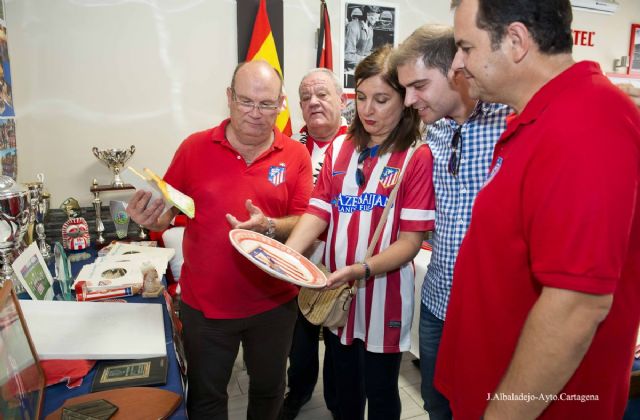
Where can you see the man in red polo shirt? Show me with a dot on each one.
(545, 303)
(242, 168)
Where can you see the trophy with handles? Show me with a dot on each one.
(114, 159)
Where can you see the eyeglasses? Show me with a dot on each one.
(248, 106)
(368, 151)
(456, 149)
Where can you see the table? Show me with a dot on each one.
(55, 395)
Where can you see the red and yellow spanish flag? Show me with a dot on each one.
(263, 47)
(325, 50)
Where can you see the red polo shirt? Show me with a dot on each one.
(561, 209)
(215, 278)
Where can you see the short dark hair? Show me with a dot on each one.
(407, 132)
(548, 21)
(434, 44)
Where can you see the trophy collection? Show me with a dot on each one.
(25, 255)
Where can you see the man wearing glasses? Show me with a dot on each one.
(462, 134)
(243, 167)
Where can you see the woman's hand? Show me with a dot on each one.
(345, 275)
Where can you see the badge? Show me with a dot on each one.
(389, 176)
(276, 175)
(493, 172)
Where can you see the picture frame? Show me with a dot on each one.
(634, 49)
(127, 373)
(32, 271)
(22, 379)
(360, 34)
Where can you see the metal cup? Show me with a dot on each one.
(114, 159)
(15, 212)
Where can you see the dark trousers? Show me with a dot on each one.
(430, 332)
(362, 376)
(211, 347)
(304, 364)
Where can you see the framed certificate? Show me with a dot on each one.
(21, 376)
(126, 373)
(32, 272)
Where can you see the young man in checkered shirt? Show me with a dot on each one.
(462, 133)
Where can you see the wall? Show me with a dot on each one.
(112, 73)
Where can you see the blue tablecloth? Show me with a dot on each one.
(56, 395)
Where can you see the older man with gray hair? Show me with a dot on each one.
(322, 102)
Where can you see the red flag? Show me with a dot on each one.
(325, 50)
(263, 47)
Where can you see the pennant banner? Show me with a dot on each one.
(325, 49)
(263, 47)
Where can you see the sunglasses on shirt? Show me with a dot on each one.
(367, 152)
(456, 149)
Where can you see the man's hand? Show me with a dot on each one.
(144, 213)
(257, 220)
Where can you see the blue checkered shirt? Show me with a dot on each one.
(455, 195)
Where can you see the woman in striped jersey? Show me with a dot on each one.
(360, 170)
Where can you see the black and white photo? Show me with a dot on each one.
(366, 27)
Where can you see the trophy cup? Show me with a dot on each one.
(15, 213)
(39, 203)
(115, 160)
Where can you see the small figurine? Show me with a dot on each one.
(75, 231)
(75, 234)
(151, 284)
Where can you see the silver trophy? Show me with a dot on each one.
(115, 160)
(39, 201)
(15, 213)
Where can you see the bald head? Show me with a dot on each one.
(256, 68)
(254, 99)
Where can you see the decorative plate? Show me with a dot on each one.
(277, 259)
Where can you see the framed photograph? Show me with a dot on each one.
(21, 376)
(32, 272)
(126, 373)
(366, 26)
(634, 49)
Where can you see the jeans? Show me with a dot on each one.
(430, 332)
(362, 376)
(211, 347)
(304, 364)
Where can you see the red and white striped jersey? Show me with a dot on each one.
(382, 310)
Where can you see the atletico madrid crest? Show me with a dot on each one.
(389, 176)
(276, 175)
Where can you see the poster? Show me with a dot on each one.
(366, 27)
(8, 158)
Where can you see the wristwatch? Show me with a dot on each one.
(367, 270)
(271, 228)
